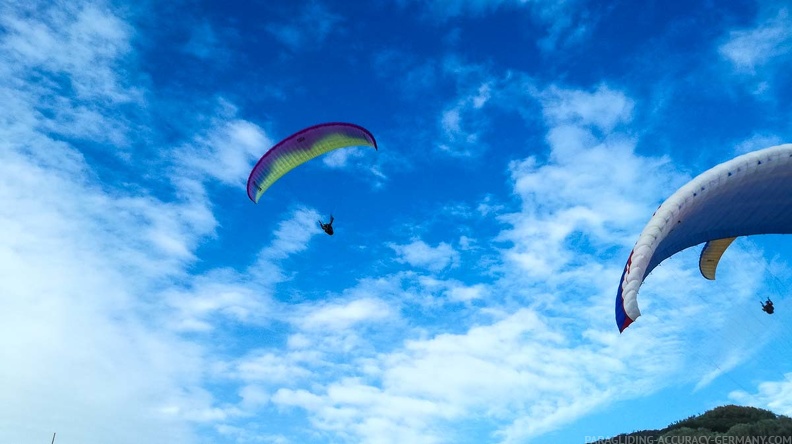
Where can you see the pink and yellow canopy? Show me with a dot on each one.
(301, 147)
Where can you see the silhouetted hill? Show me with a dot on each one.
(728, 420)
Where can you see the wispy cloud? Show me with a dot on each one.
(208, 41)
(308, 30)
(459, 126)
(359, 159)
(466, 121)
(758, 55)
(79, 40)
(565, 21)
(770, 40)
(416, 76)
(74, 51)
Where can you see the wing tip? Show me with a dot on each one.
(626, 323)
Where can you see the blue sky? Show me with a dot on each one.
(467, 295)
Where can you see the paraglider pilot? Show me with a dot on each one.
(328, 227)
(767, 307)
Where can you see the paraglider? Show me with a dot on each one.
(767, 307)
(301, 147)
(710, 257)
(328, 227)
(748, 195)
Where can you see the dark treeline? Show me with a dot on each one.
(729, 420)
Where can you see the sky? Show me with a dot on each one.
(467, 295)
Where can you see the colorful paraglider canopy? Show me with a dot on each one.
(301, 147)
(748, 195)
(711, 254)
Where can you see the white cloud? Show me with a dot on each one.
(85, 261)
(603, 108)
(593, 188)
(757, 142)
(773, 395)
(282, 369)
(420, 254)
(247, 298)
(80, 39)
(451, 290)
(342, 158)
(227, 152)
(77, 283)
(463, 293)
(75, 49)
(291, 236)
(575, 116)
(515, 367)
(218, 293)
(770, 40)
(331, 317)
(296, 398)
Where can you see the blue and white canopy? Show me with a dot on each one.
(750, 194)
